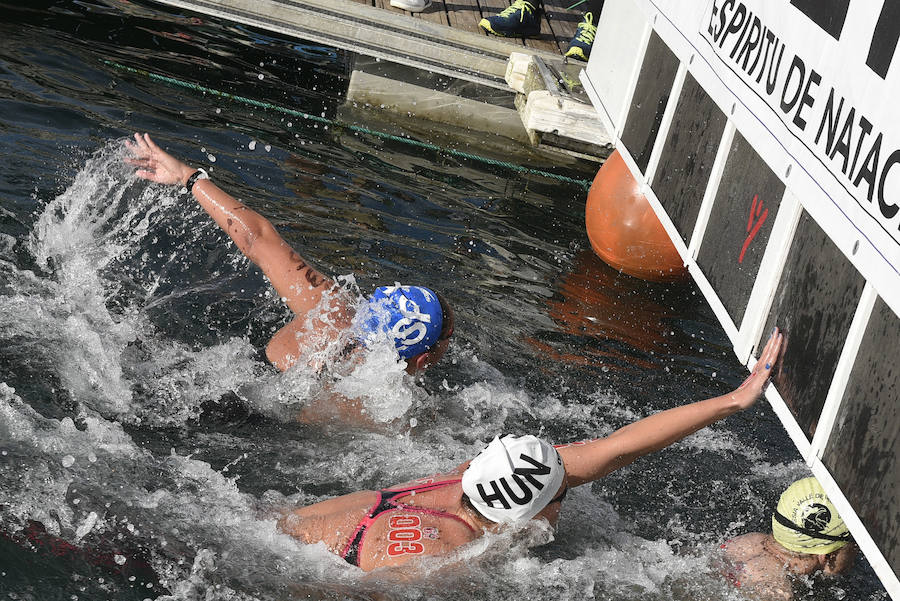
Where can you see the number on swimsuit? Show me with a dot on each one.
(404, 532)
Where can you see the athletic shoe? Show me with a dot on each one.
(413, 6)
(520, 19)
(580, 46)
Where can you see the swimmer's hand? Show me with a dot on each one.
(753, 387)
(155, 164)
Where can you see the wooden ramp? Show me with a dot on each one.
(445, 38)
(557, 28)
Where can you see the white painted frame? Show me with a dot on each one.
(745, 336)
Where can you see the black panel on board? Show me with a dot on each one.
(863, 452)
(884, 40)
(830, 15)
(814, 306)
(688, 156)
(739, 226)
(651, 95)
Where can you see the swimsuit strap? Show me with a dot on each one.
(420, 488)
(386, 502)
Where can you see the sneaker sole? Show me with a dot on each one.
(576, 53)
(413, 8)
(486, 26)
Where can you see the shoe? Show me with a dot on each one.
(520, 19)
(580, 46)
(413, 6)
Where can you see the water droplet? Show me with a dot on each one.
(68, 461)
(252, 145)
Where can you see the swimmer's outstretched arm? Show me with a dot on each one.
(300, 284)
(594, 459)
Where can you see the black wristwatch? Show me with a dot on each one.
(195, 176)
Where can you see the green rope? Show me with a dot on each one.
(585, 184)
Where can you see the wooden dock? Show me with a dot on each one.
(557, 27)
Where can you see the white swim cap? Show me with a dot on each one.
(513, 478)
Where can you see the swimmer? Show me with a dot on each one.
(808, 537)
(416, 319)
(514, 479)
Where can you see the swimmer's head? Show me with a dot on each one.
(514, 478)
(805, 520)
(412, 317)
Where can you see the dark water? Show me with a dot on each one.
(144, 446)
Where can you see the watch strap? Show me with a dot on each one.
(194, 178)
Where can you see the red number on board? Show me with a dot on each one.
(757, 213)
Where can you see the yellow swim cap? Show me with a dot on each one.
(805, 521)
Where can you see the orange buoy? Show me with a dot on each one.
(623, 229)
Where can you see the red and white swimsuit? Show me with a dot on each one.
(387, 502)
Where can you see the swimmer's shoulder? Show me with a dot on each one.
(762, 575)
(745, 546)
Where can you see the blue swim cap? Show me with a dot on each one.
(410, 316)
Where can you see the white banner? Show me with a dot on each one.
(824, 70)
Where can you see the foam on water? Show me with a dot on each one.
(83, 477)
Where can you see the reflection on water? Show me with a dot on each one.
(595, 302)
(145, 448)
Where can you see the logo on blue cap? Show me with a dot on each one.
(410, 316)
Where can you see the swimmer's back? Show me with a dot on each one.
(373, 529)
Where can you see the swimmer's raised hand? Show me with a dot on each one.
(593, 459)
(752, 388)
(155, 164)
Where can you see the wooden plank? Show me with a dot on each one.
(464, 14)
(546, 41)
(377, 32)
(489, 8)
(436, 13)
(564, 22)
(433, 14)
(386, 5)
